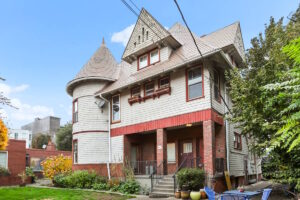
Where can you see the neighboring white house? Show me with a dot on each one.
(20, 134)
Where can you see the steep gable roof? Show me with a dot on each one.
(101, 66)
(147, 33)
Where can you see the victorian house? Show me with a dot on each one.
(162, 107)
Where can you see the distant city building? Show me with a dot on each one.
(20, 134)
(48, 125)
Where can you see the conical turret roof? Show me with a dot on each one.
(101, 66)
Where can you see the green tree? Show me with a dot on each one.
(64, 138)
(39, 140)
(265, 95)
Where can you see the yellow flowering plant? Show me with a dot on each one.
(3, 136)
(55, 165)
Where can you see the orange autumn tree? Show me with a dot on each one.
(3, 136)
(55, 165)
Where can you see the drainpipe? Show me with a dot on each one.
(109, 138)
(227, 130)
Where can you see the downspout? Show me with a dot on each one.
(227, 131)
(109, 139)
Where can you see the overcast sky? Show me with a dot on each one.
(43, 44)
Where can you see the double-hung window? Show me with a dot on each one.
(147, 59)
(116, 116)
(194, 83)
(3, 159)
(75, 151)
(216, 85)
(136, 91)
(149, 88)
(164, 82)
(75, 111)
(143, 61)
(154, 57)
(237, 141)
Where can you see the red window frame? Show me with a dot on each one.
(139, 87)
(73, 153)
(148, 59)
(148, 83)
(164, 77)
(111, 105)
(187, 83)
(237, 143)
(75, 119)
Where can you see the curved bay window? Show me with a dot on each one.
(115, 106)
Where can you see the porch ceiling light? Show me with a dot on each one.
(188, 125)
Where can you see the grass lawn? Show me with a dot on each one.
(26, 193)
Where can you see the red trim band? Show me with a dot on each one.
(90, 131)
(203, 115)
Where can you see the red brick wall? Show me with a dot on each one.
(41, 153)
(209, 146)
(16, 162)
(161, 147)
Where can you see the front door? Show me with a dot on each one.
(135, 158)
(186, 154)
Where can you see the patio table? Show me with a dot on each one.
(246, 194)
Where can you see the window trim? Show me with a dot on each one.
(187, 82)
(111, 105)
(147, 83)
(138, 86)
(164, 77)
(6, 158)
(239, 145)
(75, 140)
(148, 58)
(219, 85)
(171, 161)
(73, 110)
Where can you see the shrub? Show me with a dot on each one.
(78, 179)
(54, 165)
(193, 178)
(129, 187)
(29, 173)
(4, 171)
(3, 135)
(100, 186)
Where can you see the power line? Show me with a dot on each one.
(194, 40)
(134, 5)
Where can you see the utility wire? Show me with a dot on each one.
(194, 40)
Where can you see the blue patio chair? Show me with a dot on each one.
(266, 194)
(210, 193)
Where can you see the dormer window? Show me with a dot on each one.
(154, 57)
(149, 58)
(143, 61)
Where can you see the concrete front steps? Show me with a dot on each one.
(164, 188)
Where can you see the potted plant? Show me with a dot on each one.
(177, 193)
(30, 173)
(195, 195)
(203, 194)
(185, 193)
(23, 177)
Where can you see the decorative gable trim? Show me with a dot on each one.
(147, 34)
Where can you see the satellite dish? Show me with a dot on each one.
(100, 103)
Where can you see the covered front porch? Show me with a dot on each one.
(165, 151)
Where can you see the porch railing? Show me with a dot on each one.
(158, 174)
(187, 163)
(146, 167)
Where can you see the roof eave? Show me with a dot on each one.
(71, 84)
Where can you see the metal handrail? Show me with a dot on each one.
(155, 173)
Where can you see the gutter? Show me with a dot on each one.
(109, 138)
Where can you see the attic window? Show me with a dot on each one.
(134, 44)
(154, 56)
(148, 59)
(139, 40)
(147, 35)
(143, 34)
